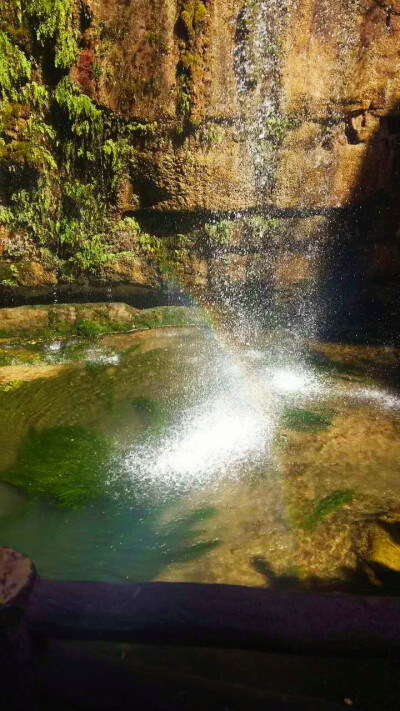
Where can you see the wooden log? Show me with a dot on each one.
(17, 577)
(216, 616)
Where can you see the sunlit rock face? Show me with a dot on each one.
(331, 67)
(286, 107)
(145, 54)
(339, 71)
(293, 106)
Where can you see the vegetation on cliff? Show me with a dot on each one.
(70, 165)
(192, 16)
(63, 158)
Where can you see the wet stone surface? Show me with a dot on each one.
(179, 453)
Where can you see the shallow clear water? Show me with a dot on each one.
(181, 454)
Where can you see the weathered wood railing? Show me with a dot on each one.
(196, 614)
(215, 616)
(189, 614)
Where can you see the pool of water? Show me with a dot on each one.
(186, 454)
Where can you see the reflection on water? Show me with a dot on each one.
(178, 454)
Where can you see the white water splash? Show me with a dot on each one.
(381, 397)
(289, 380)
(210, 443)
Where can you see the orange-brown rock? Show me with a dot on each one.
(340, 68)
(338, 73)
(328, 70)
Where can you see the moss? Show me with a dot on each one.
(84, 327)
(11, 385)
(218, 234)
(86, 119)
(26, 153)
(327, 506)
(15, 68)
(305, 421)
(209, 135)
(190, 60)
(101, 324)
(63, 327)
(193, 13)
(54, 25)
(6, 358)
(66, 464)
(171, 316)
(183, 106)
(88, 327)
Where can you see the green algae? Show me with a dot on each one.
(182, 534)
(171, 316)
(130, 351)
(325, 507)
(65, 464)
(87, 327)
(63, 327)
(295, 418)
(11, 385)
(6, 358)
(155, 415)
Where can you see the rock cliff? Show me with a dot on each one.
(227, 142)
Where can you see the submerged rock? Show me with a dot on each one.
(384, 549)
(12, 499)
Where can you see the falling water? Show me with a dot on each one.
(259, 36)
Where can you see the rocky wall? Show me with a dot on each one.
(288, 108)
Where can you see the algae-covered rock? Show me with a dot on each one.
(93, 319)
(66, 464)
(325, 507)
(23, 318)
(171, 316)
(65, 318)
(295, 418)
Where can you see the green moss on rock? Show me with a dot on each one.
(171, 316)
(11, 385)
(295, 418)
(193, 13)
(66, 464)
(90, 320)
(327, 506)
